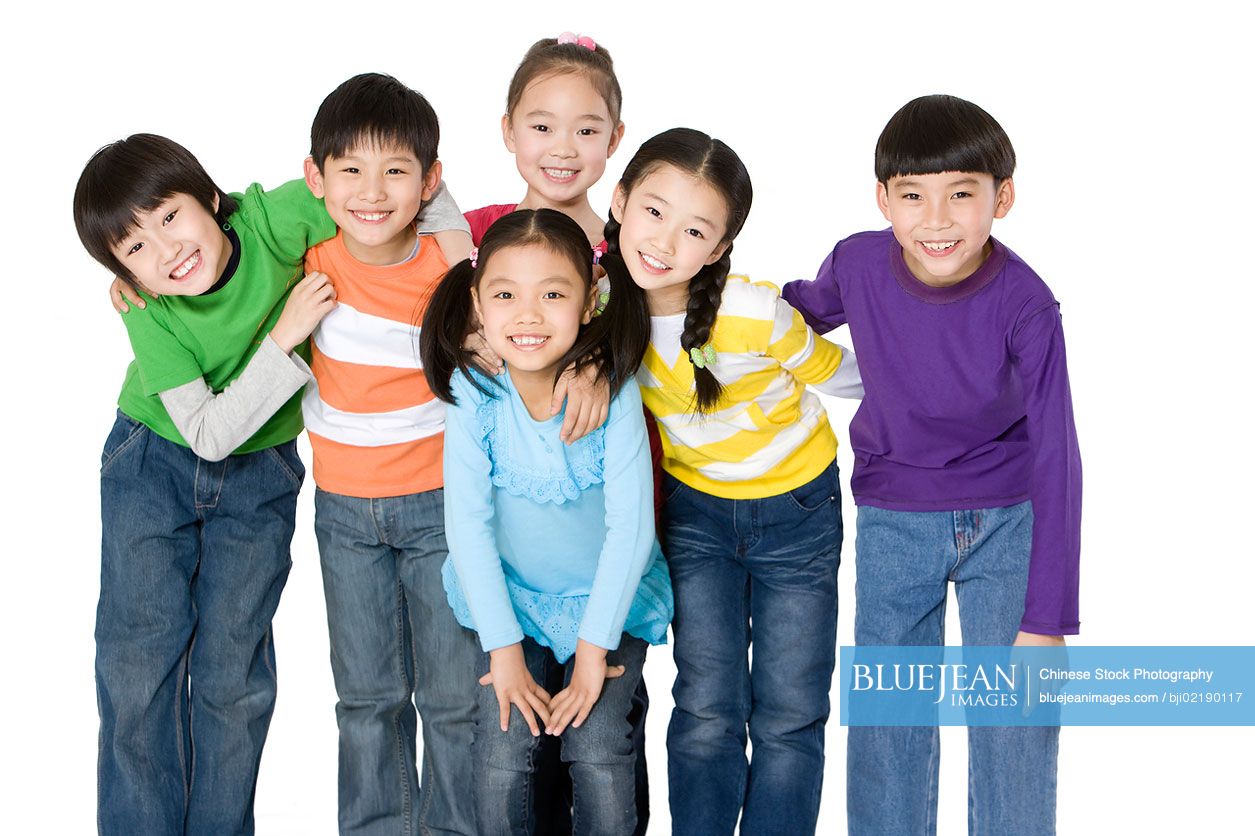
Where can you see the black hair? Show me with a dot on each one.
(624, 322)
(132, 176)
(374, 108)
(717, 165)
(939, 133)
(548, 58)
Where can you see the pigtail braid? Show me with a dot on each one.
(705, 296)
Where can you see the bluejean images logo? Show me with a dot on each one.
(1039, 686)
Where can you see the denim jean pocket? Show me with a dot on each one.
(818, 492)
(126, 431)
(285, 456)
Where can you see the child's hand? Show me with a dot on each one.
(510, 678)
(1023, 639)
(120, 293)
(455, 244)
(313, 298)
(485, 356)
(588, 402)
(572, 703)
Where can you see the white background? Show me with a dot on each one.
(1133, 129)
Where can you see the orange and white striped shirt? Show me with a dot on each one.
(375, 426)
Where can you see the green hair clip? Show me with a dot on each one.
(702, 357)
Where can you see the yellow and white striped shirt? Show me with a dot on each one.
(767, 434)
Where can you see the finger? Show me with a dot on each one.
(560, 720)
(602, 414)
(614, 671)
(583, 715)
(486, 679)
(504, 705)
(538, 705)
(559, 395)
(530, 717)
(119, 304)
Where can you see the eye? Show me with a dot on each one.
(544, 129)
(169, 217)
(587, 132)
(651, 210)
(351, 170)
(910, 196)
(554, 294)
(395, 171)
(503, 295)
(696, 233)
(962, 194)
(134, 249)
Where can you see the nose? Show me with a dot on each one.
(527, 312)
(663, 239)
(563, 147)
(372, 188)
(937, 215)
(168, 247)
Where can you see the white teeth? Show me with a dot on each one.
(560, 173)
(654, 263)
(528, 340)
(938, 246)
(372, 216)
(187, 266)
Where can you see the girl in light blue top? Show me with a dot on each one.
(552, 554)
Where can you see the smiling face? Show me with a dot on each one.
(373, 193)
(531, 302)
(561, 134)
(672, 225)
(942, 221)
(176, 249)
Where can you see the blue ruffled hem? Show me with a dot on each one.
(584, 459)
(554, 620)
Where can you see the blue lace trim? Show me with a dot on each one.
(584, 459)
(554, 620)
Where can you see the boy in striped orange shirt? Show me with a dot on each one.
(378, 437)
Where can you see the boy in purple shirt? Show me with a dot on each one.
(966, 461)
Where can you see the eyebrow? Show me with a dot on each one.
(915, 184)
(590, 116)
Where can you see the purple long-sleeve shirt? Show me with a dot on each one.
(967, 402)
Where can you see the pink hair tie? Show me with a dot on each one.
(474, 256)
(582, 40)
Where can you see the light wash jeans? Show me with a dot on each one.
(600, 752)
(395, 644)
(760, 572)
(194, 555)
(904, 562)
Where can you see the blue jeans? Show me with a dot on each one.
(600, 752)
(395, 644)
(194, 555)
(760, 571)
(904, 562)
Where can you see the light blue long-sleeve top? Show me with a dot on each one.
(550, 540)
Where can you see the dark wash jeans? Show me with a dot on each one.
(194, 556)
(600, 752)
(760, 572)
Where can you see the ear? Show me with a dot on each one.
(431, 180)
(215, 204)
(507, 132)
(313, 178)
(882, 200)
(1005, 198)
(618, 203)
(718, 252)
(616, 136)
(479, 315)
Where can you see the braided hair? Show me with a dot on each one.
(715, 164)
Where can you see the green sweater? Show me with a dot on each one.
(177, 339)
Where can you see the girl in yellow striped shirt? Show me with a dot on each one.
(752, 499)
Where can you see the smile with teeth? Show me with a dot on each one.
(190, 264)
(371, 217)
(528, 340)
(654, 264)
(561, 175)
(938, 247)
